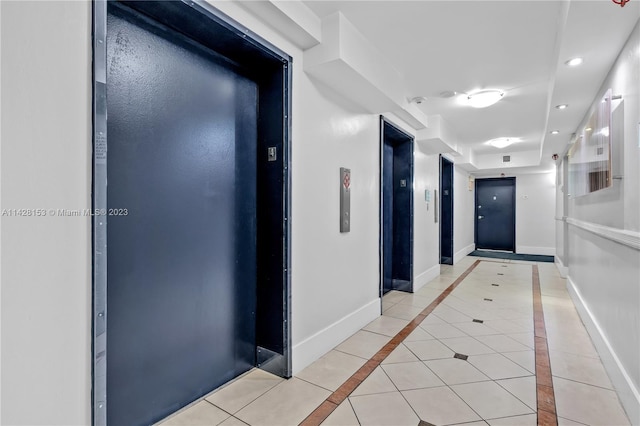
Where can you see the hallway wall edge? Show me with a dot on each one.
(629, 395)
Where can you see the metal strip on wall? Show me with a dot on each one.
(99, 240)
(288, 65)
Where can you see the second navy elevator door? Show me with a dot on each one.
(446, 211)
(396, 209)
(181, 286)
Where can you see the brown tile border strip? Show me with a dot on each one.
(544, 385)
(336, 398)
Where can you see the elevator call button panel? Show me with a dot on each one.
(345, 199)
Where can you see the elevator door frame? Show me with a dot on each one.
(253, 48)
(446, 210)
(410, 140)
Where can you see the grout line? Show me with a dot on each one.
(587, 384)
(533, 409)
(450, 387)
(315, 384)
(222, 409)
(354, 412)
(342, 393)
(545, 396)
(399, 391)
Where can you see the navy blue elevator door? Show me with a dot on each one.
(397, 206)
(495, 214)
(446, 211)
(182, 261)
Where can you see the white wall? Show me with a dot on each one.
(46, 146)
(463, 215)
(604, 253)
(535, 213)
(333, 274)
(426, 244)
(46, 162)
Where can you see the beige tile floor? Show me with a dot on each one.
(420, 379)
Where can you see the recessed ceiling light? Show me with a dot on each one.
(484, 98)
(503, 142)
(574, 62)
(555, 132)
(562, 106)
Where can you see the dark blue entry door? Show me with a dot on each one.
(496, 214)
(181, 272)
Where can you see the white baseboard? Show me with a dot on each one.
(628, 393)
(547, 251)
(425, 277)
(564, 271)
(313, 347)
(462, 253)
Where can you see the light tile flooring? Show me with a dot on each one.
(420, 379)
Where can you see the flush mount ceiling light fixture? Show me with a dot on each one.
(418, 100)
(574, 62)
(484, 98)
(555, 132)
(562, 106)
(448, 94)
(502, 142)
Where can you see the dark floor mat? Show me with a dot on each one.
(512, 256)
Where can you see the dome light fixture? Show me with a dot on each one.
(574, 62)
(555, 132)
(448, 94)
(484, 98)
(502, 142)
(562, 106)
(418, 100)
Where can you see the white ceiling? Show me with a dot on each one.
(517, 46)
